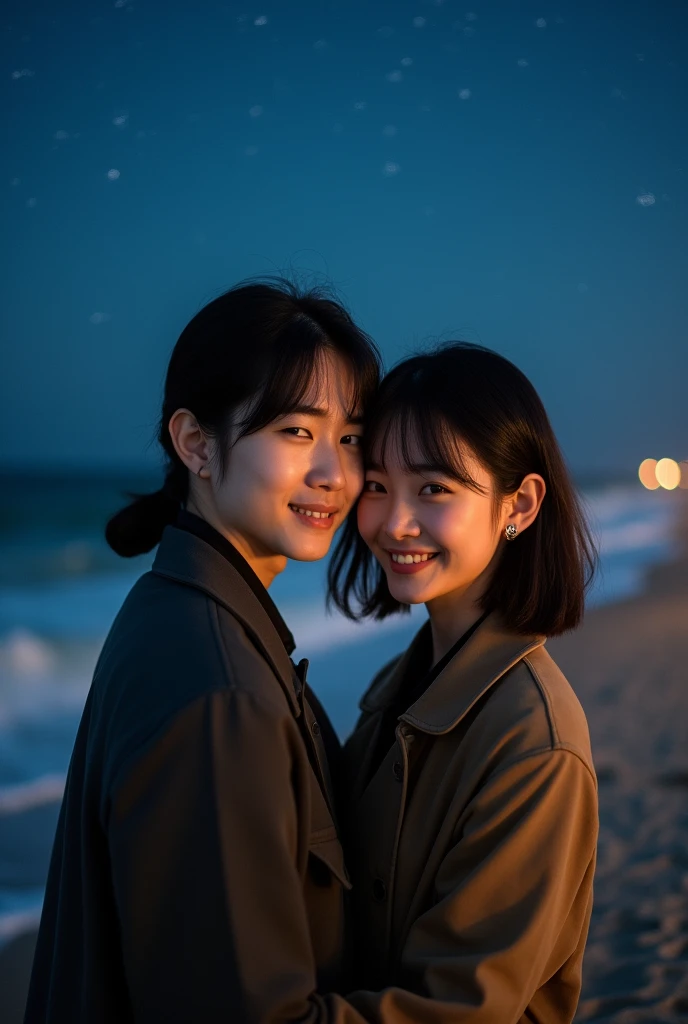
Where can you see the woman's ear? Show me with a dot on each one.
(190, 443)
(523, 506)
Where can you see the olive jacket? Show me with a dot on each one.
(472, 846)
(197, 873)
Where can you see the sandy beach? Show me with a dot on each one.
(628, 665)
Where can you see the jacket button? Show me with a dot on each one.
(398, 770)
(315, 729)
(379, 891)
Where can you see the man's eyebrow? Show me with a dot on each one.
(308, 410)
(321, 412)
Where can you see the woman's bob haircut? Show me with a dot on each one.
(245, 359)
(464, 399)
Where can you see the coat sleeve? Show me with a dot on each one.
(513, 898)
(208, 873)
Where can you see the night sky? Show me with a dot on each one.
(506, 172)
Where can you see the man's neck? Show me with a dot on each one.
(266, 565)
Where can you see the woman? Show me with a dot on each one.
(197, 873)
(473, 795)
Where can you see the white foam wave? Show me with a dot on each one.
(316, 631)
(24, 796)
(18, 922)
(23, 654)
(634, 536)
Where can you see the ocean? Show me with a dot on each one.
(60, 588)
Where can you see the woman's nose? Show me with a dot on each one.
(401, 522)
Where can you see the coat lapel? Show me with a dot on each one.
(187, 559)
(486, 657)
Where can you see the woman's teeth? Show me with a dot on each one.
(307, 512)
(408, 559)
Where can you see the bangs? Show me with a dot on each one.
(298, 376)
(421, 439)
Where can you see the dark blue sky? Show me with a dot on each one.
(508, 172)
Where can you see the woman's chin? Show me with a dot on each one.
(406, 591)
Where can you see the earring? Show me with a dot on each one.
(510, 531)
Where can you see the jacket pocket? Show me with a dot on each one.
(325, 847)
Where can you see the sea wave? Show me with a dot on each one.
(25, 796)
(20, 912)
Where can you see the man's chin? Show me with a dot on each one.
(308, 552)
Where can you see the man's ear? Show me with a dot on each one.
(190, 443)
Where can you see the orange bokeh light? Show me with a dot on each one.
(668, 474)
(647, 475)
(683, 482)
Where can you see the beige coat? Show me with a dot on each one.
(473, 844)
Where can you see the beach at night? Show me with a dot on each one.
(201, 201)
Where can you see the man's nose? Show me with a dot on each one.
(327, 471)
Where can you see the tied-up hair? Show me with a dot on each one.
(465, 400)
(250, 356)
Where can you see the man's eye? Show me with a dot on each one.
(434, 489)
(373, 487)
(352, 439)
(296, 431)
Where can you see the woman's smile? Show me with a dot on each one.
(405, 562)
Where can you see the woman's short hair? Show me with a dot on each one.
(465, 399)
(251, 353)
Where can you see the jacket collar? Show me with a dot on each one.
(486, 657)
(188, 559)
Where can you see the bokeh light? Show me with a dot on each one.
(647, 474)
(683, 482)
(668, 474)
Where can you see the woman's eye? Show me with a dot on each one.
(373, 487)
(352, 439)
(434, 489)
(296, 431)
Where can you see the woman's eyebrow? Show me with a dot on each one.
(419, 468)
(413, 469)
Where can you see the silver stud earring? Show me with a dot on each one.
(510, 531)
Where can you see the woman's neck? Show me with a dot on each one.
(450, 616)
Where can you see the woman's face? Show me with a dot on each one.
(289, 486)
(434, 537)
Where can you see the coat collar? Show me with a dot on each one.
(486, 657)
(187, 558)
